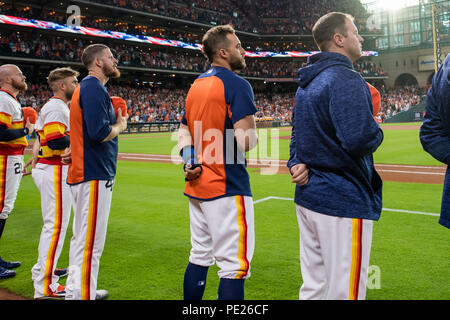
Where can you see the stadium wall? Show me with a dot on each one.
(406, 61)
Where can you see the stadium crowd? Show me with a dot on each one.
(256, 16)
(398, 99)
(154, 104)
(68, 49)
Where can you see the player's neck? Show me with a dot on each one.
(343, 52)
(99, 75)
(222, 64)
(60, 95)
(10, 89)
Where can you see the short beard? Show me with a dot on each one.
(68, 95)
(237, 65)
(111, 74)
(19, 86)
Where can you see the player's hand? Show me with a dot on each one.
(300, 174)
(31, 162)
(66, 158)
(30, 126)
(192, 173)
(122, 120)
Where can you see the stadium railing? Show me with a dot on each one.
(170, 126)
(148, 127)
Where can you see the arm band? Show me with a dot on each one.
(59, 144)
(12, 134)
(188, 155)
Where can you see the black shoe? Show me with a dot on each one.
(5, 273)
(61, 272)
(101, 294)
(9, 265)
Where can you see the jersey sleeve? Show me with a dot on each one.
(351, 113)
(240, 97)
(96, 103)
(54, 130)
(6, 112)
(55, 125)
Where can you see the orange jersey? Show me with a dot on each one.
(376, 99)
(91, 117)
(218, 99)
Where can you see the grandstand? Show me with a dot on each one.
(157, 76)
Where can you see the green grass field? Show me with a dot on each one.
(147, 244)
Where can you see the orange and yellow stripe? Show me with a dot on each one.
(49, 264)
(51, 131)
(54, 130)
(5, 119)
(3, 163)
(355, 270)
(242, 248)
(89, 243)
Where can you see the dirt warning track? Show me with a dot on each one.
(388, 172)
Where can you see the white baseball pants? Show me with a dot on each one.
(56, 202)
(11, 168)
(334, 256)
(91, 204)
(222, 232)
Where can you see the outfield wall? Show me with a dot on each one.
(415, 113)
(149, 127)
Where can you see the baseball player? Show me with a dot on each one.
(13, 141)
(50, 175)
(219, 104)
(435, 130)
(94, 149)
(335, 135)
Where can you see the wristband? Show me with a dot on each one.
(188, 155)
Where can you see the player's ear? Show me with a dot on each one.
(222, 53)
(338, 39)
(7, 79)
(98, 62)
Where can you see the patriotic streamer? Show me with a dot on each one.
(46, 25)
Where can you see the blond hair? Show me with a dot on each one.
(60, 74)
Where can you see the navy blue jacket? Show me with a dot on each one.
(435, 130)
(91, 117)
(335, 135)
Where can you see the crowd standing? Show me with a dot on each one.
(156, 104)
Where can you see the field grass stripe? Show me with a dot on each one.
(384, 209)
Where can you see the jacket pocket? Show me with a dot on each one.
(377, 183)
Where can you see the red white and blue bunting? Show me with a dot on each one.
(46, 25)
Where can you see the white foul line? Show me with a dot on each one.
(269, 198)
(409, 172)
(410, 166)
(384, 209)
